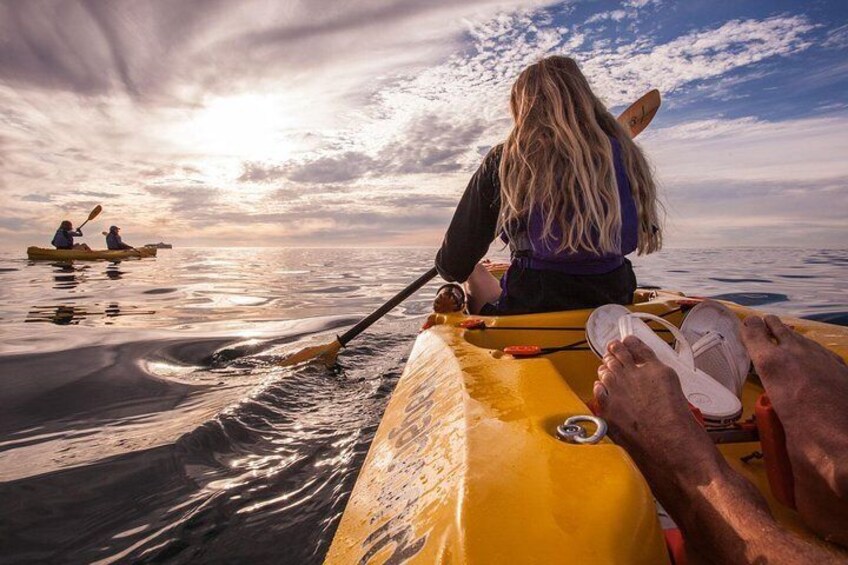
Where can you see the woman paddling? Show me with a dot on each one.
(64, 237)
(568, 191)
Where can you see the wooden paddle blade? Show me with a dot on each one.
(95, 212)
(637, 117)
(325, 353)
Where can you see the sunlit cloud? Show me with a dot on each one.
(783, 183)
(748, 149)
(249, 122)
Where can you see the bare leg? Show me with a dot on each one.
(481, 288)
(722, 516)
(808, 387)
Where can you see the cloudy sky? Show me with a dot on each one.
(358, 122)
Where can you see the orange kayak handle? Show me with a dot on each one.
(523, 350)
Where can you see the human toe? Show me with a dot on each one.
(756, 336)
(601, 394)
(638, 351)
(612, 365)
(753, 327)
(621, 353)
(609, 376)
(778, 329)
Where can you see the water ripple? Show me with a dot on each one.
(145, 417)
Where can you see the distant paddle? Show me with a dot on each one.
(635, 118)
(94, 214)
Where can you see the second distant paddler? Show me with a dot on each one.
(113, 239)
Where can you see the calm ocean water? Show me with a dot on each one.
(143, 417)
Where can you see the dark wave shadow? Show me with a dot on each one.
(752, 298)
(100, 381)
(740, 280)
(72, 515)
(838, 318)
(264, 481)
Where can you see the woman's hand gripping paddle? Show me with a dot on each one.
(94, 213)
(635, 119)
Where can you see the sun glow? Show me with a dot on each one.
(251, 126)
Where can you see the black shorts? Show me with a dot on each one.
(531, 290)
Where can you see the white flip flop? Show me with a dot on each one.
(602, 327)
(714, 332)
(718, 405)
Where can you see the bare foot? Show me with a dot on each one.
(723, 517)
(649, 416)
(808, 387)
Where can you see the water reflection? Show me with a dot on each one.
(65, 314)
(170, 435)
(66, 274)
(59, 315)
(113, 271)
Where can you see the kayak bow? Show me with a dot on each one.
(466, 465)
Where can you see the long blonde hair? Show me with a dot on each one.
(557, 162)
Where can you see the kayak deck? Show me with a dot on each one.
(45, 254)
(465, 465)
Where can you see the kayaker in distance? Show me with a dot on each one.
(64, 238)
(113, 239)
(722, 516)
(568, 191)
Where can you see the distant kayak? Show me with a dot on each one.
(160, 245)
(44, 254)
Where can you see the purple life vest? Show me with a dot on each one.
(530, 250)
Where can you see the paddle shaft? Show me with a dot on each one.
(94, 213)
(366, 322)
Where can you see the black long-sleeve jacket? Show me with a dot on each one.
(472, 228)
(472, 231)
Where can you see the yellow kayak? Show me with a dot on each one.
(45, 254)
(466, 467)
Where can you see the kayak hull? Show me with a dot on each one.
(465, 466)
(44, 254)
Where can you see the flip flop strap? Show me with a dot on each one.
(706, 342)
(685, 354)
(712, 340)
